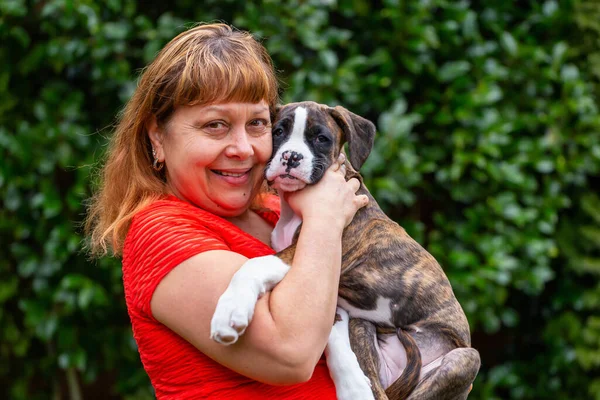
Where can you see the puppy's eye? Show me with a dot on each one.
(322, 139)
(278, 132)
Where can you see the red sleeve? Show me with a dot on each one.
(161, 237)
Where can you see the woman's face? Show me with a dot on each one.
(215, 155)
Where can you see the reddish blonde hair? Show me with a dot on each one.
(206, 64)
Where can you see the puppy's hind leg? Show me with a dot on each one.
(349, 379)
(363, 335)
(452, 379)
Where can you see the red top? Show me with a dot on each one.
(162, 236)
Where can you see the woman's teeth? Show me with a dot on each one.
(234, 174)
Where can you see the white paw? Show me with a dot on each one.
(234, 312)
(354, 388)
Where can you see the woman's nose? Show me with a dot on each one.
(240, 145)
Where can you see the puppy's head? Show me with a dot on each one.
(308, 137)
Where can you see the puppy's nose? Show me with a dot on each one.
(293, 159)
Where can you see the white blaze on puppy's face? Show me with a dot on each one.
(291, 167)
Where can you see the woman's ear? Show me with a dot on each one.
(156, 135)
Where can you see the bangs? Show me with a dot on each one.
(226, 73)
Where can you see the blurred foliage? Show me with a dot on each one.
(488, 152)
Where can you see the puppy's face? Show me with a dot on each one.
(306, 140)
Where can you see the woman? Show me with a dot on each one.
(181, 201)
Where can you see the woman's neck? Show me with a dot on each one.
(242, 219)
(254, 225)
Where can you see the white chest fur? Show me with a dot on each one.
(286, 227)
(381, 314)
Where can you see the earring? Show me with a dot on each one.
(157, 165)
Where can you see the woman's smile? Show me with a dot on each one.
(233, 176)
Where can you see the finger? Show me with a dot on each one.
(363, 200)
(337, 164)
(342, 169)
(355, 184)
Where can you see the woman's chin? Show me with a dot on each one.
(234, 206)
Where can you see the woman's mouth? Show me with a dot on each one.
(227, 173)
(234, 177)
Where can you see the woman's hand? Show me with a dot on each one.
(332, 198)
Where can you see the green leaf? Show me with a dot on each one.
(509, 43)
(453, 70)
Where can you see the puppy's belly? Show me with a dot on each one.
(392, 358)
(391, 353)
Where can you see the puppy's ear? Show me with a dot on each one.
(358, 132)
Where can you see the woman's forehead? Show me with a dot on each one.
(229, 107)
(232, 105)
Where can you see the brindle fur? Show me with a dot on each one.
(386, 261)
(380, 259)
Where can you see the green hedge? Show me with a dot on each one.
(488, 152)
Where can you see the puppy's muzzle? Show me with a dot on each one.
(291, 159)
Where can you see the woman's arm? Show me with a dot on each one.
(291, 325)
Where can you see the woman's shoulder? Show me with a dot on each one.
(169, 205)
(170, 210)
(167, 221)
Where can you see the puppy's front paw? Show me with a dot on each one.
(234, 312)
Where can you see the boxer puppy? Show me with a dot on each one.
(408, 332)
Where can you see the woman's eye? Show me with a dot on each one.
(258, 125)
(216, 125)
(258, 122)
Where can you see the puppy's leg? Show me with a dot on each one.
(363, 335)
(235, 307)
(350, 381)
(452, 379)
